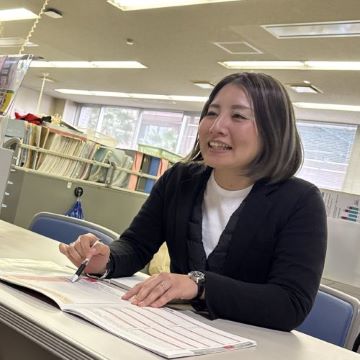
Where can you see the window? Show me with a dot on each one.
(327, 147)
(88, 117)
(160, 128)
(120, 123)
(191, 123)
(327, 150)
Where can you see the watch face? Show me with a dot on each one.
(197, 276)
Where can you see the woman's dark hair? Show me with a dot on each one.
(280, 155)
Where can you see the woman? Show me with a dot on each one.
(246, 239)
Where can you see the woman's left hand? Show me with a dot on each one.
(162, 288)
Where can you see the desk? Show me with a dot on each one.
(34, 328)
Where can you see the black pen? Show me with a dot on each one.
(82, 267)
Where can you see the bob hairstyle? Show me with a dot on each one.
(280, 155)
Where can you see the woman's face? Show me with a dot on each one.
(227, 134)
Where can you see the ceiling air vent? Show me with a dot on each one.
(237, 47)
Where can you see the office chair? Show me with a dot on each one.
(335, 318)
(66, 229)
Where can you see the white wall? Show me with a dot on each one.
(26, 102)
(342, 261)
(352, 179)
(69, 111)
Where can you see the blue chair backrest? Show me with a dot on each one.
(66, 229)
(329, 319)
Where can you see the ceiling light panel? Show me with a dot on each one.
(319, 106)
(129, 5)
(201, 99)
(89, 64)
(333, 65)
(280, 65)
(304, 88)
(292, 65)
(16, 14)
(203, 84)
(14, 41)
(315, 30)
(237, 47)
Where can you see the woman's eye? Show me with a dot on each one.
(211, 113)
(239, 117)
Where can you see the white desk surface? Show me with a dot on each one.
(69, 337)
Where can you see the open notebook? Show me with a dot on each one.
(167, 332)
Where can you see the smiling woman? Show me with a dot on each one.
(228, 137)
(246, 239)
(264, 100)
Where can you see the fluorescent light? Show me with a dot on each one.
(16, 14)
(333, 65)
(314, 30)
(14, 41)
(201, 99)
(108, 94)
(74, 91)
(318, 106)
(281, 65)
(60, 64)
(148, 96)
(39, 64)
(203, 84)
(305, 87)
(129, 5)
(71, 64)
(292, 65)
(89, 64)
(118, 64)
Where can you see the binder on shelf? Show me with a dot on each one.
(43, 140)
(85, 170)
(121, 159)
(153, 170)
(135, 168)
(97, 172)
(56, 139)
(163, 166)
(159, 152)
(76, 149)
(144, 168)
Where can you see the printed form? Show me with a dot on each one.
(167, 332)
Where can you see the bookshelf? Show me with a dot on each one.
(6, 157)
(50, 162)
(69, 155)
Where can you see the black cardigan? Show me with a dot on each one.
(275, 257)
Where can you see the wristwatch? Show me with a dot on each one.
(108, 271)
(199, 278)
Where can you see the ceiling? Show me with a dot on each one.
(177, 46)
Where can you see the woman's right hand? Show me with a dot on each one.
(87, 246)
